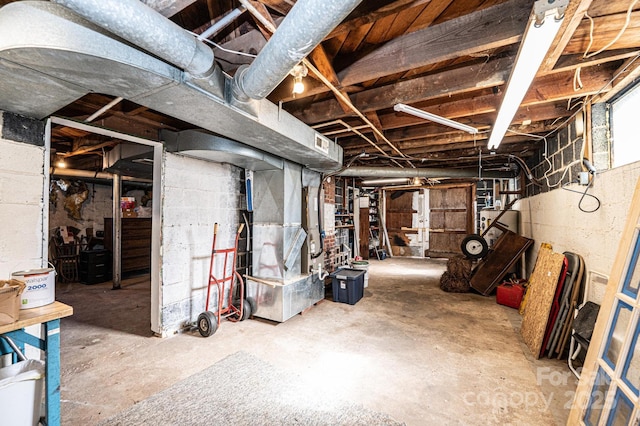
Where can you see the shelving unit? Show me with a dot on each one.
(374, 224)
(344, 220)
(488, 189)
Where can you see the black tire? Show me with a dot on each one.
(474, 246)
(247, 310)
(207, 323)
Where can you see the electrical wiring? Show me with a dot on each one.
(216, 45)
(591, 26)
(584, 194)
(608, 84)
(615, 39)
(577, 81)
(531, 135)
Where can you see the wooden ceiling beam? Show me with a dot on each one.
(572, 62)
(433, 10)
(452, 138)
(573, 17)
(363, 16)
(319, 58)
(606, 28)
(375, 120)
(262, 10)
(446, 83)
(90, 148)
(482, 122)
(281, 6)
(486, 29)
(509, 145)
(627, 74)
(433, 44)
(611, 7)
(550, 88)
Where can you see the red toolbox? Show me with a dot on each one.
(510, 294)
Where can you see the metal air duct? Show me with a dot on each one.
(304, 27)
(391, 172)
(55, 56)
(139, 24)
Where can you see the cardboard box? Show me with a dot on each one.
(127, 203)
(10, 292)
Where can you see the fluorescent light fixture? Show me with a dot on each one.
(384, 181)
(542, 29)
(435, 118)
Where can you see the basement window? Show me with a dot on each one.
(625, 148)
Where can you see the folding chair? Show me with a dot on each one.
(583, 325)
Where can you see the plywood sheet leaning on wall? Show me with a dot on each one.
(542, 288)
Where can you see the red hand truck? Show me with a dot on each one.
(234, 309)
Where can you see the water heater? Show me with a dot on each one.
(509, 219)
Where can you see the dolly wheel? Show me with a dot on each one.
(247, 310)
(207, 323)
(474, 246)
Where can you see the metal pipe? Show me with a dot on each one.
(141, 25)
(391, 172)
(104, 109)
(116, 241)
(59, 172)
(305, 26)
(222, 23)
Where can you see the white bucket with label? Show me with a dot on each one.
(363, 265)
(41, 287)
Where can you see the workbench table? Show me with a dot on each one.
(49, 317)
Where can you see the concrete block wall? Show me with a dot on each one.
(97, 206)
(196, 194)
(553, 216)
(558, 161)
(22, 194)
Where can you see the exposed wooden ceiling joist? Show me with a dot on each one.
(451, 58)
(487, 29)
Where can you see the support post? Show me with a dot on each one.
(117, 232)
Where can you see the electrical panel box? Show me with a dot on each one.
(312, 255)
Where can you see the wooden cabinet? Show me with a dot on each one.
(136, 243)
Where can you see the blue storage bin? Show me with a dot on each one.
(348, 285)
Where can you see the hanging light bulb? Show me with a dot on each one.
(298, 72)
(60, 163)
(298, 85)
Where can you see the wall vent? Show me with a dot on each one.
(322, 143)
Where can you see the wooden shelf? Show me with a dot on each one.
(136, 243)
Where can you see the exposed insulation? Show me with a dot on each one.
(542, 288)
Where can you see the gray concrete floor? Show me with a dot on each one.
(408, 349)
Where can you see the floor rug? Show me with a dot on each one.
(245, 390)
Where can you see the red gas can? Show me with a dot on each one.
(510, 294)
